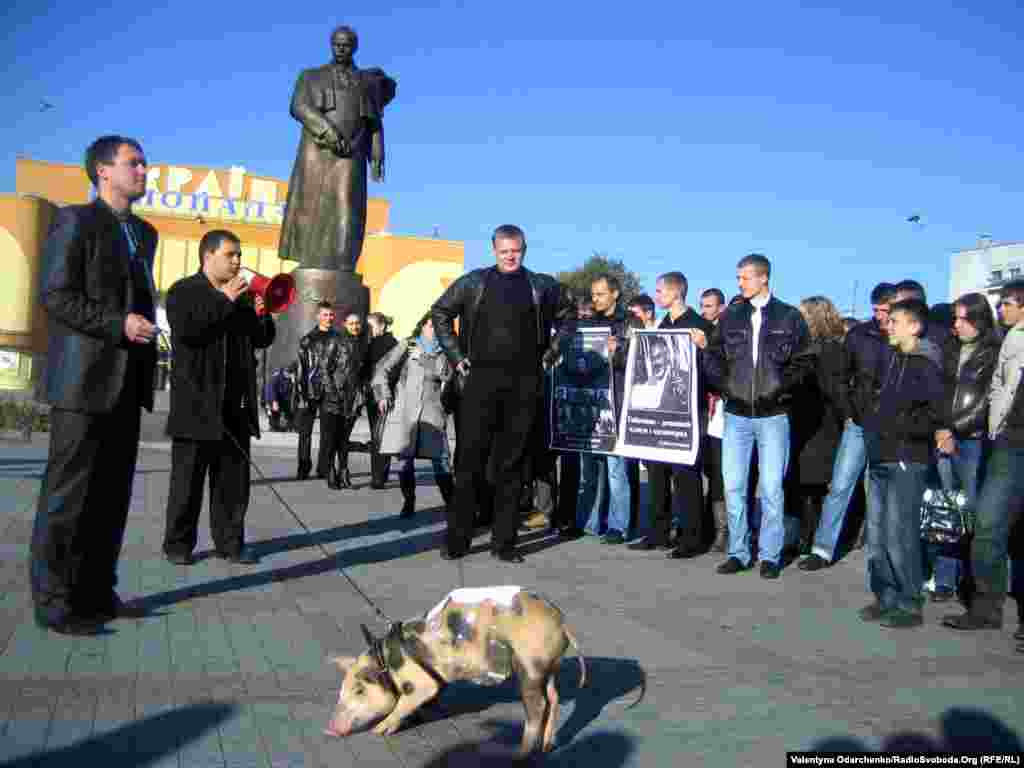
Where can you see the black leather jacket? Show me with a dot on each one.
(783, 358)
(552, 300)
(312, 374)
(343, 363)
(965, 410)
(866, 358)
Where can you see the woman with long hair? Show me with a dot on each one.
(969, 359)
(382, 341)
(407, 386)
(816, 423)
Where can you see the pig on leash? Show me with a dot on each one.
(483, 635)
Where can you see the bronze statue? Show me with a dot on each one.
(340, 108)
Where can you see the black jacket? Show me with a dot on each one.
(553, 303)
(965, 410)
(902, 426)
(866, 357)
(311, 377)
(87, 290)
(343, 365)
(816, 421)
(201, 319)
(782, 359)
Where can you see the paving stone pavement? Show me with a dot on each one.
(686, 666)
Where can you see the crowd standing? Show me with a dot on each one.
(808, 421)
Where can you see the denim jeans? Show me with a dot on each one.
(961, 470)
(850, 460)
(603, 482)
(771, 435)
(895, 570)
(998, 509)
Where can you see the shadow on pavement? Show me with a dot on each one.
(137, 744)
(604, 749)
(962, 730)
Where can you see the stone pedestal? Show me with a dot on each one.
(345, 290)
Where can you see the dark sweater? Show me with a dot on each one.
(506, 327)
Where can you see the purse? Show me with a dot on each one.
(945, 518)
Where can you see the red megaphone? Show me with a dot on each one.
(278, 292)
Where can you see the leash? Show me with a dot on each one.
(378, 613)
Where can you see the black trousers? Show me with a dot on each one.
(335, 430)
(496, 422)
(687, 499)
(568, 489)
(304, 424)
(380, 466)
(83, 508)
(192, 461)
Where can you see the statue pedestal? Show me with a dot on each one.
(345, 290)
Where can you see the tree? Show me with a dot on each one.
(579, 280)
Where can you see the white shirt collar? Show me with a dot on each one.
(759, 302)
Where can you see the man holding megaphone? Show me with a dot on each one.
(217, 321)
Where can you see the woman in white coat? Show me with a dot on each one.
(407, 385)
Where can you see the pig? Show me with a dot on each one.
(483, 635)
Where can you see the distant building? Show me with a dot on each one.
(985, 268)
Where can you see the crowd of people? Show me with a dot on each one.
(805, 417)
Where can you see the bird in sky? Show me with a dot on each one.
(45, 106)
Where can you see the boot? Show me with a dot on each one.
(809, 519)
(407, 482)
(344, 476)
(721, 542)
(305, 467)
(446, 485)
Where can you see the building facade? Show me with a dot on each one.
(985, 268)
(404, 274)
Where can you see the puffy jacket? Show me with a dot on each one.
(312, 374)
(902, 426)
(783, 358)
(965, 411)
(556, 313)
(865, 360)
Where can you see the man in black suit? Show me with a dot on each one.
(216, 326)
(97, 287)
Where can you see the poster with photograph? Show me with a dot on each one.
(582, 410)
(659, 419)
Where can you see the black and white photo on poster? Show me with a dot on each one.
(582, 410)
(659, 419)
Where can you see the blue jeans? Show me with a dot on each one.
(771, 435)
(850, 460)
(603, 481)
(962, 470)
(895, 570)
(999, 505)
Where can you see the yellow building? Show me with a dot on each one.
(404, 274)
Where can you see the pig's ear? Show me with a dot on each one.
(344, 663)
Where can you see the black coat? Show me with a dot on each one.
(866, 357)
(552, 301)
(343, 364)
(87, 289)
(201, 319)
(816, 419)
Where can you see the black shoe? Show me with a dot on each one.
(304, 470)
(507, 556)
(647, 544)
(769, 570)
(970, 622)
(813, 563)
(900, 619)
(453, 554)
(182, 559)
(76, 626)
(570, 532)
(943, 596)
(683, 552)
(872, 612)
(243, 557)
(732, 565)
(1019, 634)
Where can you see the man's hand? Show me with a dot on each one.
(259, 305)
(328, 139)
(945, 442)
(699, 337)
(463, 367)
(138, 330)
(235, 287)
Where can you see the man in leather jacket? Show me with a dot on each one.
(343, 363)
(758, 352)
(506, 316)
(310, 384)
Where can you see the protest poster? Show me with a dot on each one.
(659, 419)
(582, 411)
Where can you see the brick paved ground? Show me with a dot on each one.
(228, 668)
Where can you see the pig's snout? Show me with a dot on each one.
(338, 729)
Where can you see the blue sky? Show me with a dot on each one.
(670, 135)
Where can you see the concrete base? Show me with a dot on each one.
(345, 290)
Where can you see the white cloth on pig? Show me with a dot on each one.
(471, 595)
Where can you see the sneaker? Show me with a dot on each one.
(929, 586)
(614, 537)
(812, 562)
(943, 595)
(901, 619)
(872, 612)
(732, 565)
